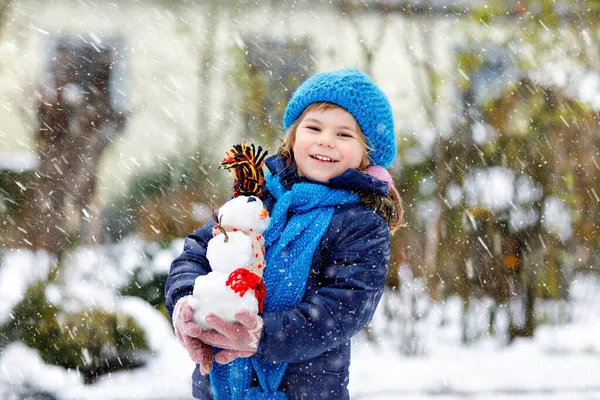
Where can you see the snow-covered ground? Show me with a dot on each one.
(560, 362)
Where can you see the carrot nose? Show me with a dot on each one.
(264, 213)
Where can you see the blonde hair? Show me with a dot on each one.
(389, 207)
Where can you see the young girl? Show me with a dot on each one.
(332, 206)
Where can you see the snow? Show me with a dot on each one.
(18, 270)
(490, 187)
(561, 362)
(577, 81)
(557, 218)
(19, 161)
(525, 366)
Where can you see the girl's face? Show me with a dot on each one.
(327, 143)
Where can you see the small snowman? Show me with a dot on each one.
(236, 251)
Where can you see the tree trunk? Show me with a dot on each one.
(76, 123)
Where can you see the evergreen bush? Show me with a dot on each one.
(93, 342)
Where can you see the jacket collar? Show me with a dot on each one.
(352, 180)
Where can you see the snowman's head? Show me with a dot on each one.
(245, 212)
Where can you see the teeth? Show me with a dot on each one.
(322, 158)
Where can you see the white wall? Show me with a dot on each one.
(163, 46)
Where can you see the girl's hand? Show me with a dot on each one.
(189, 334)
(237, 339)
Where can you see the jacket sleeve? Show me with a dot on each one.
(188, 266)
(345, 296)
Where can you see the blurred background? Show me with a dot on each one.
(115, 114)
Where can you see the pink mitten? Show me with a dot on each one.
(188, 333)
(237, 339)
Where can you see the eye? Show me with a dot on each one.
(314, 128)
(251, 199)
(345, 135)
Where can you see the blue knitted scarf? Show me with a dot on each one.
(290, 246)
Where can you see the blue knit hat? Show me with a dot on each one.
(359, 95)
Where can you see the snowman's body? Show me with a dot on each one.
(212, 295)
(237, 246)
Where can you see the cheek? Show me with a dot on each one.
(358, 156)
(299, 144)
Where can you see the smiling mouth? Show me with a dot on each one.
(323, 158)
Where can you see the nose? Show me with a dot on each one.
(324, 139)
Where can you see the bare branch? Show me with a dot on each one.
(372, 49)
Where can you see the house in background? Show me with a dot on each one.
(191, 69)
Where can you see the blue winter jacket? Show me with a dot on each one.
(345, 285)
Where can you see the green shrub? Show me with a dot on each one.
(94, 342)
(150, 288)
